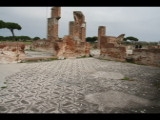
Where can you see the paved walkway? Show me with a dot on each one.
(7, 69)
(85, 85)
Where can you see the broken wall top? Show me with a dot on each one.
(56, 12)
(79, 17)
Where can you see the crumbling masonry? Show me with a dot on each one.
(101, 32)
(77, 28)
(110, 46)
(74, 44)
(52, 33)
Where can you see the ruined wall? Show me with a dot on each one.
(74, 44)
(53, 25)
(147, 56)
(11, 52)
(83, 32)
(77, 28)
(101, 32)
(71, 28)
(43, 45)
(111, 49)
(69, 47)
(108, 39)
(56, 12)
(110, 46)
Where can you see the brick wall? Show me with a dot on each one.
(69, 47)
(43, 45)
(110, 50)
(147, 56)
(11, 52)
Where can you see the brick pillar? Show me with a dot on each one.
(83, 32)
(71, 28)
(52, 33)
(56, 12)
(101, 32)
(78, 27)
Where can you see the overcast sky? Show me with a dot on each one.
(140, 22)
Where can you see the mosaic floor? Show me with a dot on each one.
(85, 85)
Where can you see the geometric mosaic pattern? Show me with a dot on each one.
(60, 86)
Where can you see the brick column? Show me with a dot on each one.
(53, 26)
(101, 32)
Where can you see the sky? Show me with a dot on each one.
(140, 22)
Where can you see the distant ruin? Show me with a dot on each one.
(101, 32)
(72, 45)
(112, 49)
(52, 33)
(149, 56)
(110, 46)
(77, 28)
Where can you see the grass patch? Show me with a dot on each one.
(130, 60)
(127, 79)
(91, 55)
(157, 85)
(105, 59)
(4, 87)
(28, 42)
(84, 56)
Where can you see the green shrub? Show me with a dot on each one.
(127, 79)
(131, 60)
(4, 87)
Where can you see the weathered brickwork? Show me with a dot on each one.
(72, 48)
(43, 45)
(110, 46)
(11, 52)
(146, 56)
(77, 28)
(53, 23)
(101, 32)
(74, 44)
(71, 28)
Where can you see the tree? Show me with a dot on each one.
(131, 38)
(2, 24)
(36, 38)
(11, 26)
(23, 38)
(1, 38)
(91, 39)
